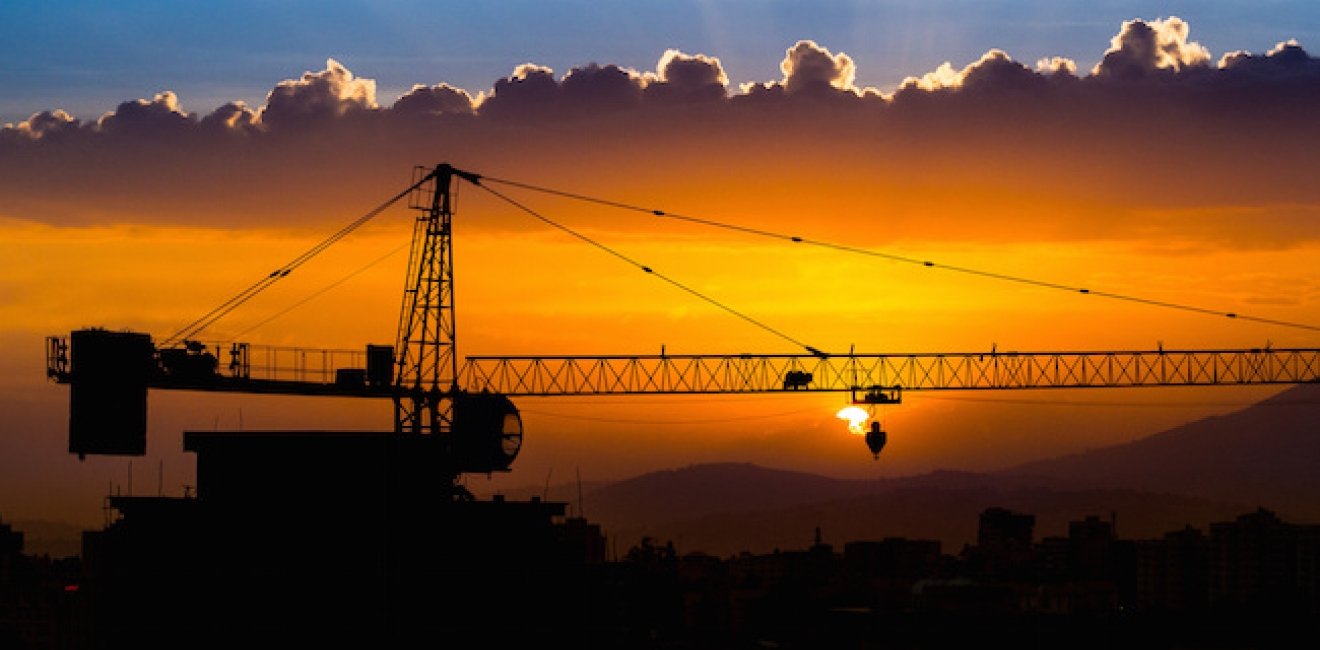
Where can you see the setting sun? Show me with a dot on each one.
(856, 417)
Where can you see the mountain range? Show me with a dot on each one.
(1214, 469)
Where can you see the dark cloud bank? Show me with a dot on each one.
(1158, 123)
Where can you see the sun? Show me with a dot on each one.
(856, 417)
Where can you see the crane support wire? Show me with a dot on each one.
(907, 260)
(208, 319)
(319, 292)
(649, 270)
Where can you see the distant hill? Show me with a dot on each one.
(1210, 470)
(1267, 454)
(726, 508)
(711, 489)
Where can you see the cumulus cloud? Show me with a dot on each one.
(813, 73)
(943, 76)
(1284, 79)
(1057, 65)
(440, 99)
(602, 87)
(162, 113)
(1142, 48)
(532, 92)
(1157, 50)
(994, 73)
(681, 78)
(1286, 59)
(998, 72)
(233, 116)
(329, 93)
(810, 68)
(44, 124)
(992, 116)
(529, 88)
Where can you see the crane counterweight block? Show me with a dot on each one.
(108, 373)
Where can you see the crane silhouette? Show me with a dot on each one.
(466, 405)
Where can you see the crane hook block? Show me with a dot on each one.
(878, 395)
(876, 439)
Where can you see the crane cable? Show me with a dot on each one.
(649, 270)
(319, 292)
(905, 259)
(192, 329)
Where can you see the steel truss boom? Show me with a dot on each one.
(295, 371)
(757, 373)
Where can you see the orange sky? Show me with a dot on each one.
(1167, 185)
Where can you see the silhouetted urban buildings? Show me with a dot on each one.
(38, 597)
(170, 569)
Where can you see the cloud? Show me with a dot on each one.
(1286, 61)
(440, 99)
(810, 68)
(1057, 65)
(943, 76)
(533, 93)
(687, 78)
(813, 77)
(46, 124)
(1037, 147)
(162, 113)
(318, 96)
(602, 87)
(1144, 48)
(531, 87)
(234, 116)
(995, 70)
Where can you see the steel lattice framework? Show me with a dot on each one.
(426, 364)
(298, 371)
(756, 373)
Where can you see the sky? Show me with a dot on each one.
(157, 157)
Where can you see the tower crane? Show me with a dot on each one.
(465, 407)
(372, 535)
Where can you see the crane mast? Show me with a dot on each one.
(426, 366)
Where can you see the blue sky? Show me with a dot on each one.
(88, 56)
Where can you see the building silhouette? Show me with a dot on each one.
(40, 605)
(1173, 572)
(1004, 544)
(269, 561)
(328, 537)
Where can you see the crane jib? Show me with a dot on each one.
(365, 373)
